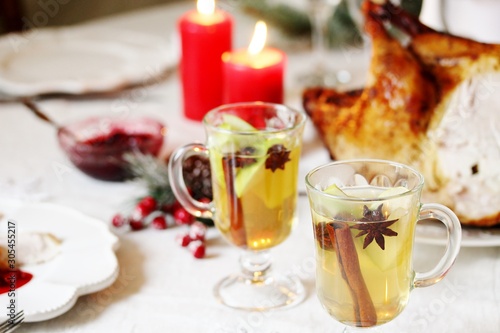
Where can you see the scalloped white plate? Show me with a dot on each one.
(85, 264)
(81, 60)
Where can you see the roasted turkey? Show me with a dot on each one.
(430, 102)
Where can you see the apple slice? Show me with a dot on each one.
(226, 141)
(336, 191)
(246, 174)
(235, 123)
(393, 191)
(234, 142)
(335, 207)
(397, 248)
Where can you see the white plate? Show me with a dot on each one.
(81, 60)
(85, 264)
(435, 234)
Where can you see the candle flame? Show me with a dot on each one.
(205, 7)
(259, 38)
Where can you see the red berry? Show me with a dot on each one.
(205, 200)
(197, 248)
(171, 207)
(197, 231)
(182, 216)
(183, 239)
(145, 206)
(118, 221)
(136, 225)
(159, 222)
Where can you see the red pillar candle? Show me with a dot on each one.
(255, 74)
(205, 36)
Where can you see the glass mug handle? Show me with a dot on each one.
(452, 224)
(194, 207)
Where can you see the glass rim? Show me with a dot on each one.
(301, 118)
(415, 189)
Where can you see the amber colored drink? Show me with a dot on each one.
(254, 150)
(255, 194)
(364, 273)
(364, 215)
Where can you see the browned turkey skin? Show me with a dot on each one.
(406, 96)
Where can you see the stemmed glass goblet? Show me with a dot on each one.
(254, 151)
(320, 12)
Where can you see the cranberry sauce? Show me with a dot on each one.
(102, 155)
(12, 280)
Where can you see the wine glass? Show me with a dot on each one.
(320, 12)
(364, 215)
(254, 151)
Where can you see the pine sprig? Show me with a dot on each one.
(154, 174)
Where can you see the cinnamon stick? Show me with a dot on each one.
(237, 226)
(364, 310)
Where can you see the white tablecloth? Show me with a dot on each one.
(161, 287)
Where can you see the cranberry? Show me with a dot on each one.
(183, 239)
(159, 222)
(197, 249)
(171, 207)
(205, 200)
(145, 207)
(136, 224)
(182, 216)
(197, 231)
(118, 221)
(147, 204)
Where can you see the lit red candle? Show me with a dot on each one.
(205, 35)
(256, 73)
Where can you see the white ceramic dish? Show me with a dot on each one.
(81, 60)
(435, 234)
(86, 262)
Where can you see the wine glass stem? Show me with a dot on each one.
(256, 264)
(320, 14)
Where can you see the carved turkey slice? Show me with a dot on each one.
(423, 105)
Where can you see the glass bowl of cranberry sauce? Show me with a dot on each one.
(97, 146)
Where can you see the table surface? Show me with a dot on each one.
(161, 287)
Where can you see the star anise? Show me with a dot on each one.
(239, 159)
(376, 228)
(278, 156)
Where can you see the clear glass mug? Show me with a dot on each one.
(364, 215)
(254, 150)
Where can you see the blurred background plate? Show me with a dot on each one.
(81, 60)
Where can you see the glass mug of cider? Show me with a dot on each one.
(254, 150)
(364, 215)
